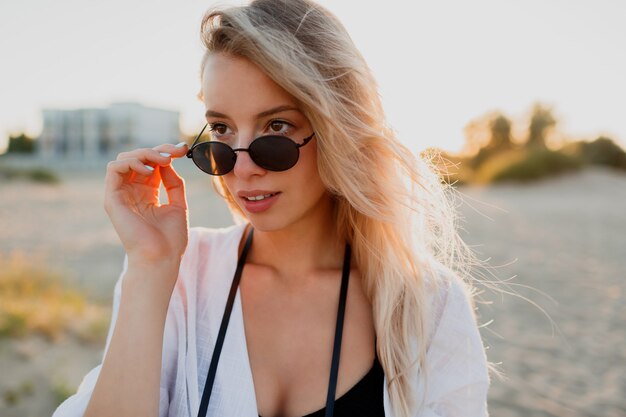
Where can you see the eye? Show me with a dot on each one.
(218, 129)
(279, 126)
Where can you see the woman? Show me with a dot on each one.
(340, 290)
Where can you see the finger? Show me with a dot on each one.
(117, 171)
(175, 187)
(145, 154)
(175, 151)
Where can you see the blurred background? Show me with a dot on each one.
(520, 104)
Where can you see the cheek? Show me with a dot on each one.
(227, 185)
(309, 177)
(307, 162)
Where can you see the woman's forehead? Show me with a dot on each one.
(235, 83)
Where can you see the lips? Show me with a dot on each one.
(257, 201)
(255, 193)
(259, 197)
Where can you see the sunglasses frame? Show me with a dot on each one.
(195, 145)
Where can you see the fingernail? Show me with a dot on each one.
(165, 154)
(149, 167)
(180, 145)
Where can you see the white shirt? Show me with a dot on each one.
(457, 365)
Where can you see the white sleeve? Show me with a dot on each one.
(75, 405)
(458, 378)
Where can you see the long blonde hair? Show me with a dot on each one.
(389, 204)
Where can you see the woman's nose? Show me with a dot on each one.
(245, 166)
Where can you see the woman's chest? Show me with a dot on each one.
(289, 334)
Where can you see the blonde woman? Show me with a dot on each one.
(341, 289)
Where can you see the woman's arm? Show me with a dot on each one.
(154, 236)
(128, 384)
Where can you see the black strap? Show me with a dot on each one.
(208, 386)
(334, 368)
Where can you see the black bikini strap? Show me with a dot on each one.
(208, 386)
(334, 368)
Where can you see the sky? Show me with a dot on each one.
(439, 64)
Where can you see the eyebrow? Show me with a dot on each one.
(274, 110)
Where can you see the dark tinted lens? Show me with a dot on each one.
(214, 158)
(274, 153)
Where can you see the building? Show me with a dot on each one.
(95, 133)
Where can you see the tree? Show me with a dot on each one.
(492, 130)
(604, 151)
(21, 144)
(500, 132)
(476, 135)
(541, 121)
(486, 136)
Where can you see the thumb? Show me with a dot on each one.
(174, 186)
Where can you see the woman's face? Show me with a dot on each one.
(242, 104)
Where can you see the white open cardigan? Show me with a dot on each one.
(457, 365)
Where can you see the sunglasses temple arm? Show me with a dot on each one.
(306, 140)
(198, 137)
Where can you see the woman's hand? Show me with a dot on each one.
(152, 233)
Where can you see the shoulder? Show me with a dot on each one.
(457, 372)
(211, 237)
(207, 242)
(208, 259)
(204, 276)
(450, 297)
(454, 332)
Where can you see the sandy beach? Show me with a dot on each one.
(564, 242)
(560, 242)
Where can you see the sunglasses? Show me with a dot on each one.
(271, 152)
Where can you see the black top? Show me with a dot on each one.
(365, 399)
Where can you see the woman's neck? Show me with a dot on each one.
(308, 245)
